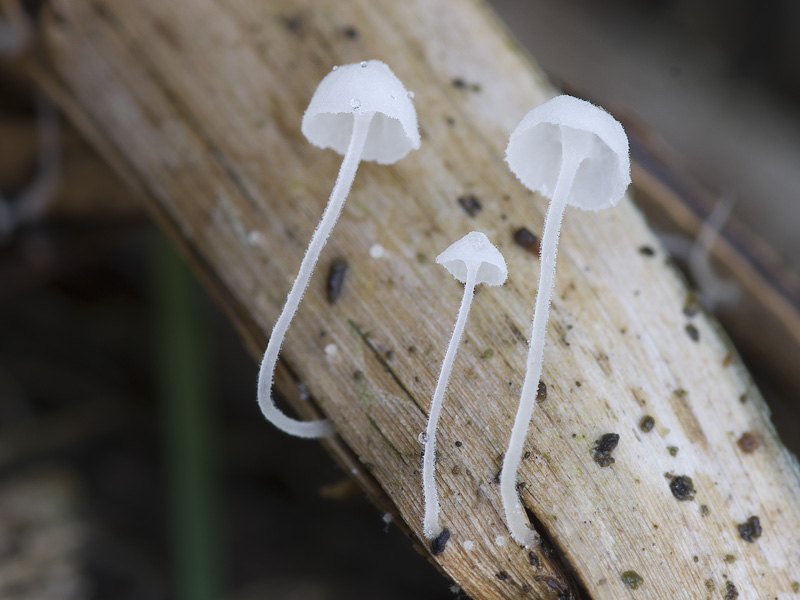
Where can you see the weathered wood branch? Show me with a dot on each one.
(198, 104)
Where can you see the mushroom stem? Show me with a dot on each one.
(430, 524)
(515, 517)
(347, 172)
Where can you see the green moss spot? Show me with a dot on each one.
(673, 450)
(796, 587)
(488, 353)
(632, 579)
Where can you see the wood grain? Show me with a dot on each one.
(198, 103)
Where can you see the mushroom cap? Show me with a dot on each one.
(357, 88)
(474, 248)
(534, 151)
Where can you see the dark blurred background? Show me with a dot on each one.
(90, 454)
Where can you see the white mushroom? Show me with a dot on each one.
(472, 260)
(362, 111)
(574, 153)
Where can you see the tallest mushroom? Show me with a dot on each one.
(575, 154)
(362, 111)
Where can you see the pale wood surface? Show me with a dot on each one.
(198, 104)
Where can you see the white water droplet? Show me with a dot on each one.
(499, 540)
(422, 437)
(355, 103)
(363, 64)
(335, 67)
(331, 349)
(468, 545)
(411, 94)
(376, 251)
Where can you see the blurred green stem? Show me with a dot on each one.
(183, 389)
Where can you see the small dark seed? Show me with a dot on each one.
(693, 332)
(502, 575)
(439, 542)
(359, 375)
(470, 204)
(534, 560)
(526, 238)
(750, 530)
(541, 392)
(350, 32)
(458, 444)
(647, 423)
(459, 83)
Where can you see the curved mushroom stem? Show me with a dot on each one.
(347, 172)
(515, 517)
(430, 524)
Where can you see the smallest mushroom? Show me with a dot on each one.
(472, 260)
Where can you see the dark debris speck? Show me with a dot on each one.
(692, 331)
(604, 446)
(691, 306)
(731, 593)
(647, 423)
(541, 391)
(470, 204)
(501, 575)
(750, 530)
(748, 442)
(682, 487)
(632, 579)
(350, 32)
(527, 239)
(647, 251)
(439, 543)
(337, 276)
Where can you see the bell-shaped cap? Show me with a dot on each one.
(474, 250)
(535, 148)
(369, 86)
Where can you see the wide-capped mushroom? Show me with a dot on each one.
(575, 154)
(362, 111)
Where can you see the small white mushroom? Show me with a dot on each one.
(472, 260)
(362, 111)
(574, 153)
